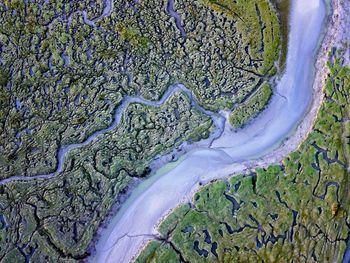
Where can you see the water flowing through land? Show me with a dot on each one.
(174, 183)
(176, 16)
(224, 153)
(218, 122)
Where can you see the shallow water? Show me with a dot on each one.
(135, 223)
(176, 16)
(108, 8)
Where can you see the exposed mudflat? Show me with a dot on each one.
(290, 116)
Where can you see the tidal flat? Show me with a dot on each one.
(295, 211)
(65, 70)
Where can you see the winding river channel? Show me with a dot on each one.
(230, 153)
(218, 121)
(225, 152)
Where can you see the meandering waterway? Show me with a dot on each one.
(232, 152)
(218, 122)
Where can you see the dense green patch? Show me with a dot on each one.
(283, 8)
(54, 220)
(66, 77)
(295, 212)
(258, 26)
(158, 253)
(250, 108)
(61, 80)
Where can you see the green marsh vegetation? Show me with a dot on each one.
(283, 8)
(62, 79)
(259, 28)
(250, 108)
(57, 218)
(58, 67)
(294, 212)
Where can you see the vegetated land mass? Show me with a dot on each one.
(250, 108)
(283, 8)
(298, 211)
(62, 78)
(65, 69)
(55, 219)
